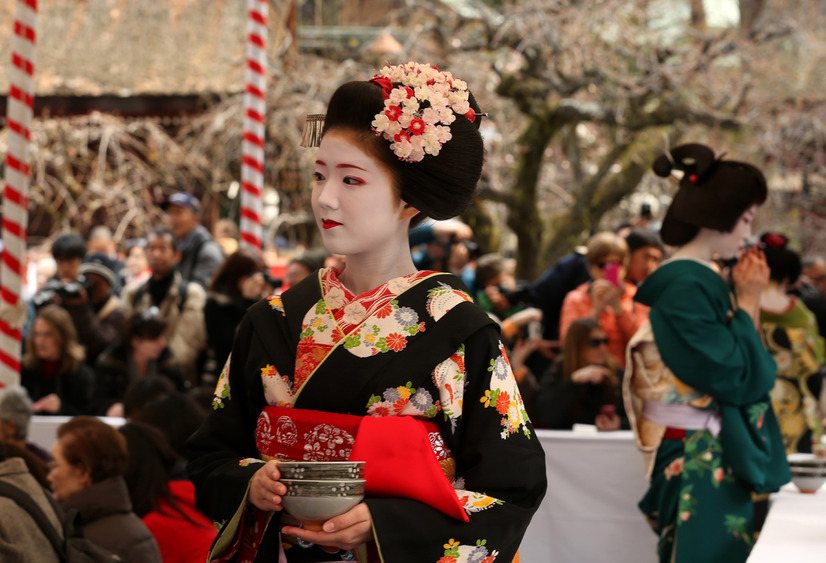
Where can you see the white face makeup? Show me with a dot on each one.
(729, 245)
(353, 200)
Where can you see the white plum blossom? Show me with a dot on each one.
(444, 97)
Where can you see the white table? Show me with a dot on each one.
(43, 429)
(590, 512)
(795, 528)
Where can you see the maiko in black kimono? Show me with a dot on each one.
(416, 346)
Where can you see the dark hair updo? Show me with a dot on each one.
(713, 194)
(438, 186)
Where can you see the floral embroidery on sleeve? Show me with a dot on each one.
(249, 461)
(276, 304)
(504, 396)
(449, 377)
(403, 401)
(458, 553)
(476, 502)
(442, 299)
(277, 389)
(222, 387)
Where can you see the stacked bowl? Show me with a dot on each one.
(320, 490)
(808, 471)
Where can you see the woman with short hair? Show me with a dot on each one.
(90, 460)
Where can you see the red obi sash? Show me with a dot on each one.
(404, 456)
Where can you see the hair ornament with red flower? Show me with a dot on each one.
(691, 163)
(774, 240)
(420, 103)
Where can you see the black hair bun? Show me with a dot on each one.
(693, 159)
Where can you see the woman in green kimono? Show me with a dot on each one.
(698, 379)
(379, 362)
(794, 341)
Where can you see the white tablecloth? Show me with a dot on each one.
(590, 512)
(43, 429)
(795, 529)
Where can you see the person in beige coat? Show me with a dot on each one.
(181, 303)
(20, 538)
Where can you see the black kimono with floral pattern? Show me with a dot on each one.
(416, 346)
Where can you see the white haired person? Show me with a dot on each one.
(698, 376)
(379, 362)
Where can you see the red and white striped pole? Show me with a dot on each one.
(19, 111)
(252, 147)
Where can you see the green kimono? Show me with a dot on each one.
(712, 358)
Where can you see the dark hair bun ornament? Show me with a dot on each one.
(693, 160)
(713, 192)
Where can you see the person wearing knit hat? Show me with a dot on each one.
(97, 312)
(698, 376)
(386, 359)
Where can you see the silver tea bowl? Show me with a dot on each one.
(318, 470)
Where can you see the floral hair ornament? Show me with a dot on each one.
(774, 240)
(420, 103)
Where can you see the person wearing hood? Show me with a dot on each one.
(698, 375)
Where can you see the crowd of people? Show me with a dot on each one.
(189, 338)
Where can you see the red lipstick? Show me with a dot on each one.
(329, 223)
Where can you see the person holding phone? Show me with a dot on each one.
(583, 385)
(608, 298)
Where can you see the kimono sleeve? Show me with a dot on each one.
(222, 452)
(708, 348)
(500, 473)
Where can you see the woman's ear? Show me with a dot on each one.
(408, 211)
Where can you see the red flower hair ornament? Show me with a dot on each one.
(420, 103)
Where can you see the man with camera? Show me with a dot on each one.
(180, 302)
(84, 287)
(96, 311)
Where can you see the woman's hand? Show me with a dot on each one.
(750, 276)
(605, 294)
(116, 410)
(266, 489)
(497, 298)
(607, 422)
(590, 374)
(345, 531)
(51, 403)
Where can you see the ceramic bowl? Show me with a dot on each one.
(320, 500)
(806, 460)
(808, 483)
(321, 469)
